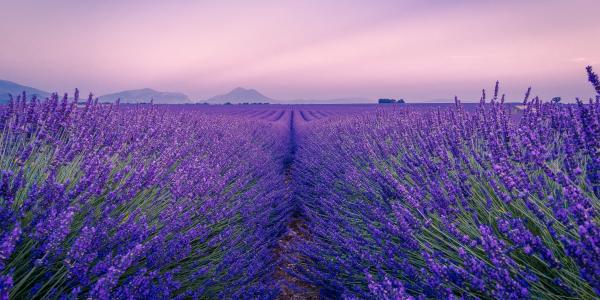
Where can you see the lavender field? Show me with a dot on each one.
(474, 201)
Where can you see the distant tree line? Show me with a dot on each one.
(389, 100)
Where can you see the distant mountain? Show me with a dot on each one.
(241, 95)
(145, 95)
(9, 87)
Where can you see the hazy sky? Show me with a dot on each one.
(303, 49)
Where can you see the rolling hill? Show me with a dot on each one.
(9, 87)
(241, 95)
(145, 96)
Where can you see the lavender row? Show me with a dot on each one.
(123, 201)
(448, 203)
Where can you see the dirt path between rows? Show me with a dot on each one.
(288, 257)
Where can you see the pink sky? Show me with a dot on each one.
(303, 49)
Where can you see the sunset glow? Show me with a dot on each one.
(420, 50)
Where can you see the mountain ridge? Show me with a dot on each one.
(10, 87)
(241, 95)
(235, 96)
(145, 95)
